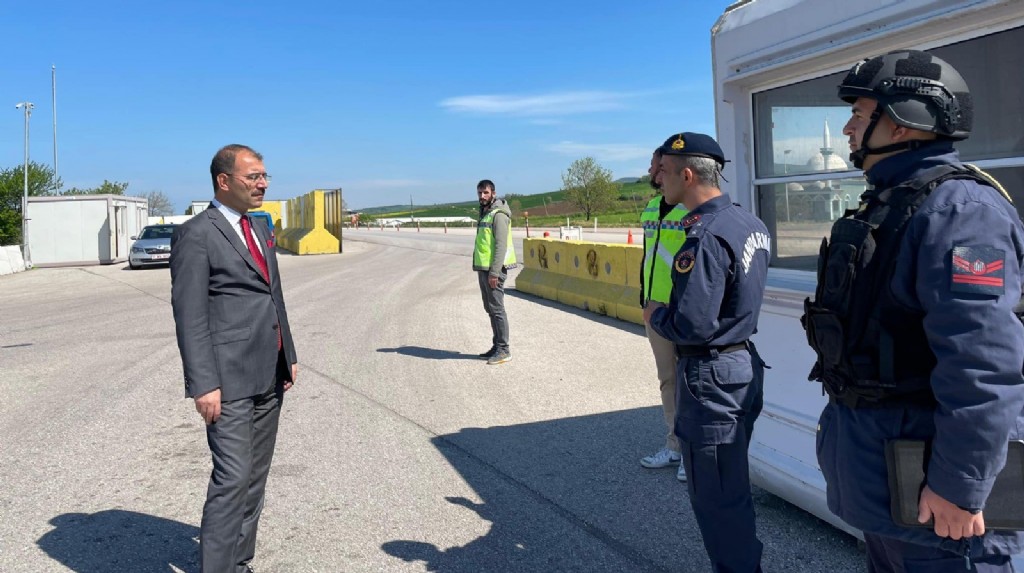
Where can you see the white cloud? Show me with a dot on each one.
(549, 104)
(602, 151)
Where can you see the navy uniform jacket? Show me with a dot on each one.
(718, 281)
(718, 277)
(978, 344)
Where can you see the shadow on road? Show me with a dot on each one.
(430, 353)
(118, 541)
(561, 495)
(569, 495)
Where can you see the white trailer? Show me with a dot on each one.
(76, 230)
(777, 64)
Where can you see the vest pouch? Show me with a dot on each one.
(824, 333)
(851, 242)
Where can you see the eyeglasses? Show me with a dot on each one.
(254, 177)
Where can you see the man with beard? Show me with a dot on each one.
(493, 255)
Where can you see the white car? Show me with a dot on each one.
(151, 247)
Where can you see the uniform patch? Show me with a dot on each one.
(684, 261)
(978, 270)
(755, 242)
(690, 221)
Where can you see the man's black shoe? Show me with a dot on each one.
(500, 357)
(489, 353)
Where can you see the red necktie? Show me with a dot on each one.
(261, 262)
(253, 249)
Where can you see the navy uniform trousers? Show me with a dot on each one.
(718, 399)
(889, 555)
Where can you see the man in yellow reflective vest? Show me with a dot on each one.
(664, 235)
(493, 255)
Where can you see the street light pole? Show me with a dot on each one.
(56, 172)
(27, 106)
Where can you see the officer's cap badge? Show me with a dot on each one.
(678, 143)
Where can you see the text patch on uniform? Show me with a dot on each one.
(978, 270)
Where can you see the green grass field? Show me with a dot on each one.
(545, 209)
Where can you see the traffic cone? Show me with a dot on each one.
(629, 237)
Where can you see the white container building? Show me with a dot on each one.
(83, 229)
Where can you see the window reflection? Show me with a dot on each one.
(805, 140)
(800, 215)
(804, 176)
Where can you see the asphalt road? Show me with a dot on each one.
(399, 450)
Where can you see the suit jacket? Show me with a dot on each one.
(226, 315)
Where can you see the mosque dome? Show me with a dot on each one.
(826, 162)
(826, 159)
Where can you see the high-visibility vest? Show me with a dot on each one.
(662, 240)
(484, 247)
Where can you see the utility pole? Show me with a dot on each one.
(412, 218)
(27, 106)
(53, 81)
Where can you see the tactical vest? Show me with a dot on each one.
(662, 240)
(483, 249)
(872, 350)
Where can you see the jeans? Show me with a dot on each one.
(494, 304)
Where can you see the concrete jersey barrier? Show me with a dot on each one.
(599, 277)
(11, 260)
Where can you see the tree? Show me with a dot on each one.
(41, 182)
(105, 188)
(589, 186)
(159, 204)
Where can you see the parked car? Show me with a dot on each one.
(268, 219)
(151, 247)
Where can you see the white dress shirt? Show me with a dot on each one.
(235, 218)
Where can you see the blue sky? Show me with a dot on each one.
(386, 100)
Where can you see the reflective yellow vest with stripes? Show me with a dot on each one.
(662, 240)
(485, 241)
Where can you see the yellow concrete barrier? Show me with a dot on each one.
(592, 276)
(628, 307)
(306, 233)
(274, 209)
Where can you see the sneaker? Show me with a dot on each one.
(681, 474)
(489, 353)
(662, 459)
(500, 357)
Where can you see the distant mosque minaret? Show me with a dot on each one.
(826, 159)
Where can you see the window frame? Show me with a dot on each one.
(804, 279)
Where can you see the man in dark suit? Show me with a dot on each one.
(236, 350)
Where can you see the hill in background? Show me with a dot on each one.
(545, 209)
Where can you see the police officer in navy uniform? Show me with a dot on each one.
(718, 281)
(913, 323)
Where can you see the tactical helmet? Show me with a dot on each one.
(915, 89)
